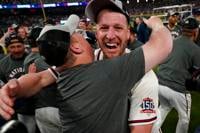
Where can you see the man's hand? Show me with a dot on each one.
(155, 23)
(7, 98)
(159, 45)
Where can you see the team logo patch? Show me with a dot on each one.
(147, 106)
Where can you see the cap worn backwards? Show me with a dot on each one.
(190, 23)
(54, 41)
(95, 6)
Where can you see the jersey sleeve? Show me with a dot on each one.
(144, 101)
(133, 65)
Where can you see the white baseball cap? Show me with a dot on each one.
(57, 32)
(95, 6)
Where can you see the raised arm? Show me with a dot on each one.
(159, 45)
(25, 86)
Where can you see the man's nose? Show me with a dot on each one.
(111, 33)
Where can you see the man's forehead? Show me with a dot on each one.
(15, 44)
(112, 14)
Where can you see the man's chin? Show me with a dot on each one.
(17, 56)
(113, 55)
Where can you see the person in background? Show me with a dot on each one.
(46, 110)
(12, 67)
(3, 51)
(89, 35)
(23, 31)
(174, 72)
(143, 31)
(10, 30)
(172, 25)
(133, 42)
(196, 14)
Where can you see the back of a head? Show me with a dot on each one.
(190, 23)
(14, 126)
(54, 41)
(33, 35)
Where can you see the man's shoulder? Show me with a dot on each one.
(149, 78)
(32, 56)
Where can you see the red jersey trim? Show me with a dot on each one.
(143, 121)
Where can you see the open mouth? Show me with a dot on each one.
(111, 45)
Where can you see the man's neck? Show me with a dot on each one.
(171, 26)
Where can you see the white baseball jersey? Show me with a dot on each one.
(144, 99)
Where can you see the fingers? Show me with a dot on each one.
(6, 104)
(12, 87)
(6, 111)
(7, 97)
(32, 68)
(155, 23)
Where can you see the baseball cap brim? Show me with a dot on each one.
(95, 6)
(69, 27)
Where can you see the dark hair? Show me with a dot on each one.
(1, 33)
(33, 35)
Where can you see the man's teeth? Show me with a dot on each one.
(111, 44)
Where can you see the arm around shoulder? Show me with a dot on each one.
(159, 45)
(33, 82)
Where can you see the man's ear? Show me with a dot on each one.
(76, 48)
(96, 39)
(128, 34)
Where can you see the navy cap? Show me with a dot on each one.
(190, 23)
(196, 11)
(13, 38)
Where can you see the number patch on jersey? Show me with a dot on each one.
(147, 106)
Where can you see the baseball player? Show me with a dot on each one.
(172, 75)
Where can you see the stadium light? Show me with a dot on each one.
(127, 1)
